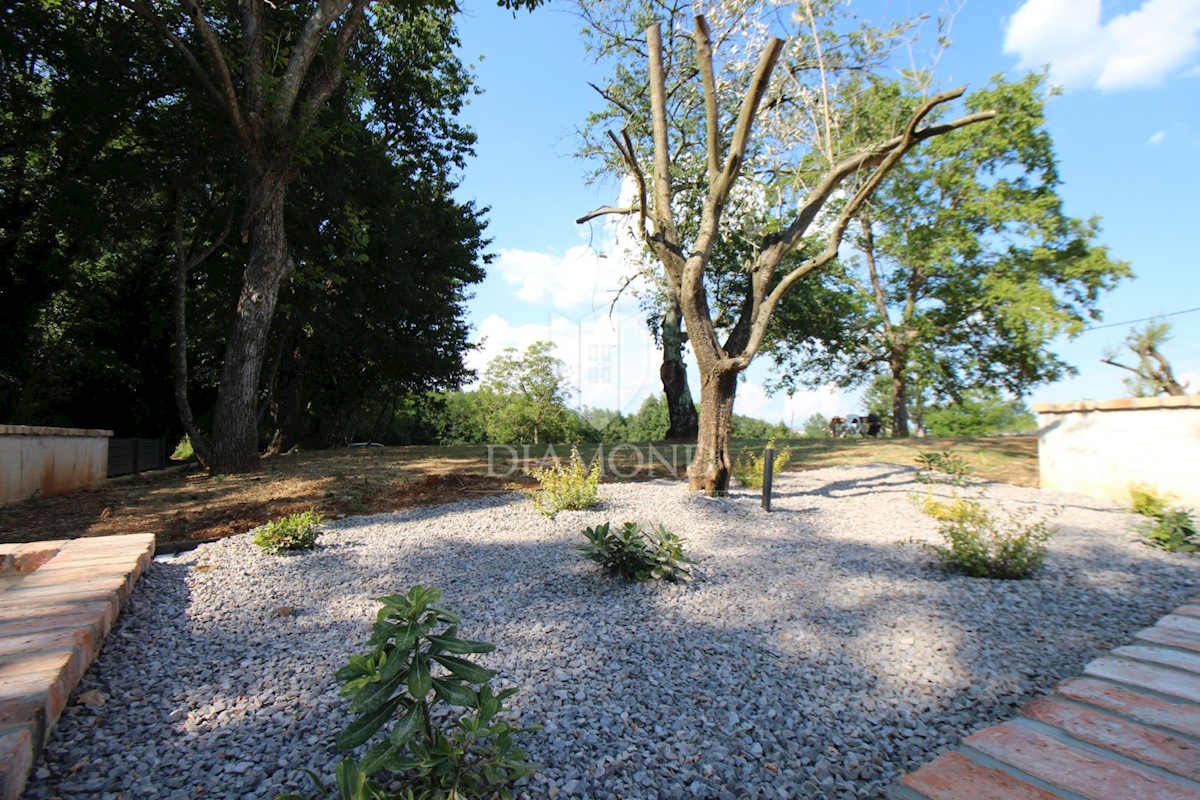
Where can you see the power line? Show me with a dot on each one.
(1143, 319)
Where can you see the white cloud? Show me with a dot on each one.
(1131, 50)
(1157, 138)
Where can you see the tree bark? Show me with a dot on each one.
(899, 399)
(710, 468)
(292, 376)
(684, 421)
(235, 422)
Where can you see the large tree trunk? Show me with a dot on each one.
(685, 422)
(899, 399)
(710, 469)
(235, 421)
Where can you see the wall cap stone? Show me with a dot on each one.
(1120, 404)
(40, 430)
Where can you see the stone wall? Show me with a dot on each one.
(1101, 447)
(46, 461)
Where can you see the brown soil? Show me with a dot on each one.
(186, 505)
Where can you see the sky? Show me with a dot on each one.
(1126, 130)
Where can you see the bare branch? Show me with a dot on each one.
(151, 16)
(705, 56)
(303, 53)
(225, 81)
(600, 212)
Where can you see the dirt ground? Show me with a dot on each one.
(184, 504)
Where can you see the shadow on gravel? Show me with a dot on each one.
(799, 664)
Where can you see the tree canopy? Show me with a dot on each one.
(965, 267)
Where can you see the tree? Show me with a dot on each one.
(967, 266)
(526, 395)
(978, 413)
(816, 141)
(816, 427)
(1152, 375)
(269, 72)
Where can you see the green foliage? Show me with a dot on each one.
(525, 396)
(183, 450)
(751, 428)
(1147, 502)
(976, 544)
(637, 554)
(979, 412)
(748, 468)
(1169, 527)
(943, 467)
(566, 487)
(407, 689)
(293, 532)
(815, 427)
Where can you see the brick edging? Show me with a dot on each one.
(1128, 728)
(52, 625)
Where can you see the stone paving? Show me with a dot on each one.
(1128, 729)
(58, 600)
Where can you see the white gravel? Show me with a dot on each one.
(814, 656)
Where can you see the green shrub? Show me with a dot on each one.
(942, 467)
(404, 693)
(566, 487)
(1169, 527)
(1173, 530)
(975, 544)
(748, 468)
(183, 450)
(637, 554)
(293, 532)
(1147, 502)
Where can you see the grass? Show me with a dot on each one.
(188, 505)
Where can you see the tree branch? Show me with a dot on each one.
(151, 16)
(704, 55)
(600, 212)
(225, 81)
(303, 53)
(324, 88)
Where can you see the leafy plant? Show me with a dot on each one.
(407, 689)
(1147, 502)
(1170, 527)
(293, 532)
(976, 544)
(567, 486)
(942, 467)
(637, 554)
(1174, 531)
(183, 450)
(748, 468)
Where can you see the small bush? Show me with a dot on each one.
(293, 532)
(976, 544)
(1173, 530)
(1147, 502)
(748, 468)
(405, 693)
(637, 554)
(566, 487)
(183, 450)
(1169, 527)
(943, 467)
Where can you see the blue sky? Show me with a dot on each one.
(1126, 130)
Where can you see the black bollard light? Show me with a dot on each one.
(768, 475)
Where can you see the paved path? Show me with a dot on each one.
(58, 600)
(1128, 729)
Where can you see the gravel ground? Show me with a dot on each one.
(814, 656)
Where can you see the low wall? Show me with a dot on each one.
(1101, 447)
(45, 461)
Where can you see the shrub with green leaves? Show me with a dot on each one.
(748, 468)
(637, 554)
(1169, 527)
(405, 692)
(293, 532)
(978, 545)
(566, 487)
(943, 467)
